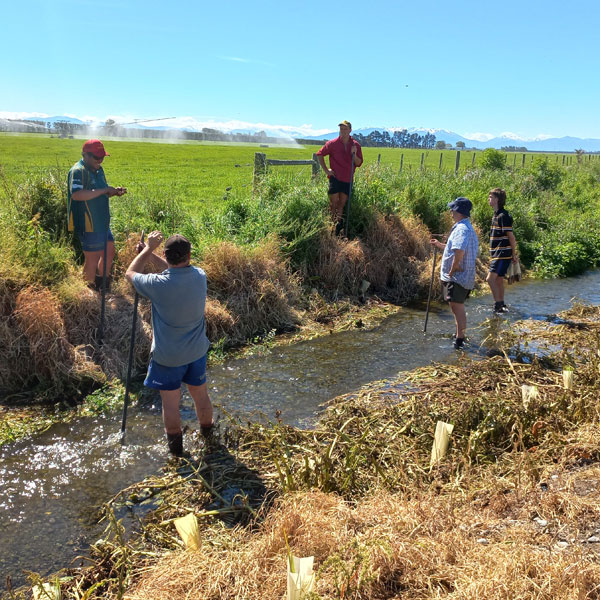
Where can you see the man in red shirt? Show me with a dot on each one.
(341, 151)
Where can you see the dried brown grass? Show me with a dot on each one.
(254, 285)
(52, 358)
(420, 546)
(392, 255)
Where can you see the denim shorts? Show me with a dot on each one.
(92, 241)
(164, 378)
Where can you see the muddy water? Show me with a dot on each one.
(52, 485)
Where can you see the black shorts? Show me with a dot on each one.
(338, 187)
(454, 292)
(500, 266)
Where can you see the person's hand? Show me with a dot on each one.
(330, 173)
(121, 191)
(111, 191)
(353, 149)
(155, 240)
(436, 244)
(515, 258)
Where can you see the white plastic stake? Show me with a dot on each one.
(567, 379)
(300, 581)
(529, 392)
(47, 591)
(443, 431)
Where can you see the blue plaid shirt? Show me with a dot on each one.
(462, 237)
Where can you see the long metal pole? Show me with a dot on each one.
(349, 198)
(103, 291)
(430, 289)
(130, 362)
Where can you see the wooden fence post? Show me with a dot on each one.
(514, 160)
(563, 162)
(260, 165)
(441, 158)
(523, 163)
(378, 159)
(316, 167)
(422, 160)
(473, 160)
(401, 163)
(457, 165)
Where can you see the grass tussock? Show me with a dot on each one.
(255, 285)
(49, 355)
(389, 546)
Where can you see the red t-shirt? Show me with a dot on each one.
(340, 157)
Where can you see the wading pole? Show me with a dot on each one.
(349, 197)
(430, 289)
(130, 362)
(103, 291)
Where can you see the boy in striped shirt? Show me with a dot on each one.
(503, 247)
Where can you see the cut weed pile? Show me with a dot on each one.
(512, 511)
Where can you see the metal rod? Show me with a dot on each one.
(430, 289)
(349, 198)
(130, 362)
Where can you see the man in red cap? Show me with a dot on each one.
(343, 152)
(89, 212)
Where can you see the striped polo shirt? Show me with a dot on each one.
(499, 243)
(92, 216)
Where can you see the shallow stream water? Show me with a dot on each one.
(52, 485)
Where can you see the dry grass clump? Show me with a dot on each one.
(390, 546)
(53, 358)
(219, 321)
(341, 265)
(397, 251)
(254, 285)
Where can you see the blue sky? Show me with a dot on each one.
(526, 67)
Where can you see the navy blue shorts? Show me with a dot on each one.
(338, 187)
(500, 266)
(93, 241)
(164, 378)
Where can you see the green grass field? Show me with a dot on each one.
(196, 174)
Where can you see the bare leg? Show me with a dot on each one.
(94, 262)
(110, 255)
(170, 410)
(496, 286)
(90, 265)
(336, 206)
(202, 403)
(460, 317)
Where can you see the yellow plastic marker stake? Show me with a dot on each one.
(300, 577)
(567, 379)
(187, 528)
(443, 431)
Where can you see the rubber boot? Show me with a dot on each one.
(175, 443)
(99, 283)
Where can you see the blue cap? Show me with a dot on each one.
(461, 205)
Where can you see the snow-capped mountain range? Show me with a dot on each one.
(543, 143)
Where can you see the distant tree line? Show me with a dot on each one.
(514, 149)
(399, 139)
